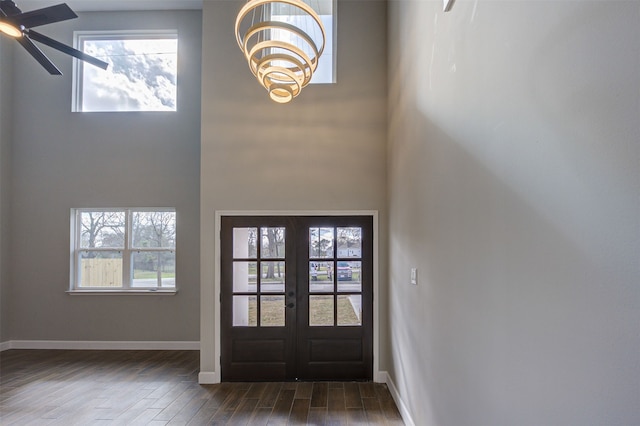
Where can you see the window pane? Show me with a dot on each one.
(320, 277)
(350, 310)
(321, 243)
(349, 277)
(325, 73)
(152, 269)
(273, 277)
(245, 243)
(154, 229)
(321, 311)
(324, 8)
(142, 73)
(245, 312)
(272, 311)
(141, 240)
(350, 242)
(102, 229)
(100, 269)
(244, 276)
(272, 243)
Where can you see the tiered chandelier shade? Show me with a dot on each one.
(282, 56)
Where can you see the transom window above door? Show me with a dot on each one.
(327, 12)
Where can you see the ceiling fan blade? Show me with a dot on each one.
(8, 8)
(66, 49)
(47, 15)
(38, 55)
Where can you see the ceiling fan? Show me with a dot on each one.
(18, 24)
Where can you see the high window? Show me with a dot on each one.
(123, 249)
(142, 73)
(326, 10)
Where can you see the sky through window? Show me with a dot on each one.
(142, 74)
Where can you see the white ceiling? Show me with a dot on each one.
(101, 5)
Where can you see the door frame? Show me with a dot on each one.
(210, 352)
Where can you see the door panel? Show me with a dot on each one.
(335, 304)
(297, 298)
(257, 272)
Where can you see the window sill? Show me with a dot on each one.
(121, 292)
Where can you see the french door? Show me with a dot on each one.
(296, 298)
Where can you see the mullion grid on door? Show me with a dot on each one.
(259, 279)
(248, 259)
(350, 259)
(317, 260)
(344, 266)
(262, 259)
(335, 278)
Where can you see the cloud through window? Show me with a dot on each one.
(142, 73)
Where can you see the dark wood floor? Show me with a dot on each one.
(50, 387)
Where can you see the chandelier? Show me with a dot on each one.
(282, 41)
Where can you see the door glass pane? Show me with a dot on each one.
(319, 281)
(272, 311)
(244, 277)
(325, 272)
(272, 243)
(321, 311)
(272, 279)
(321, 243)
(349, 276)
(349, 242)
(350, 309)
(245, 311)
(245, 243)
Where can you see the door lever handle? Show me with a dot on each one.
(290, 305)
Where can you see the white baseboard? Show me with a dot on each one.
(208, 378)
(99, 345)
(380, 376)
(402, 407)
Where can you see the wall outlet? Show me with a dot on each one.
(414, 276)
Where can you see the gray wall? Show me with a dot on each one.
(514, 188)
(6, 51)
(63, 160)
(323, 151)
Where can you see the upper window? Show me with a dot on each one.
(282, 12)
(142, 73)
(123, 249)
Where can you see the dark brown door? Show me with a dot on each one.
(297, 298)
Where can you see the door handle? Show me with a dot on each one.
(290, 305)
